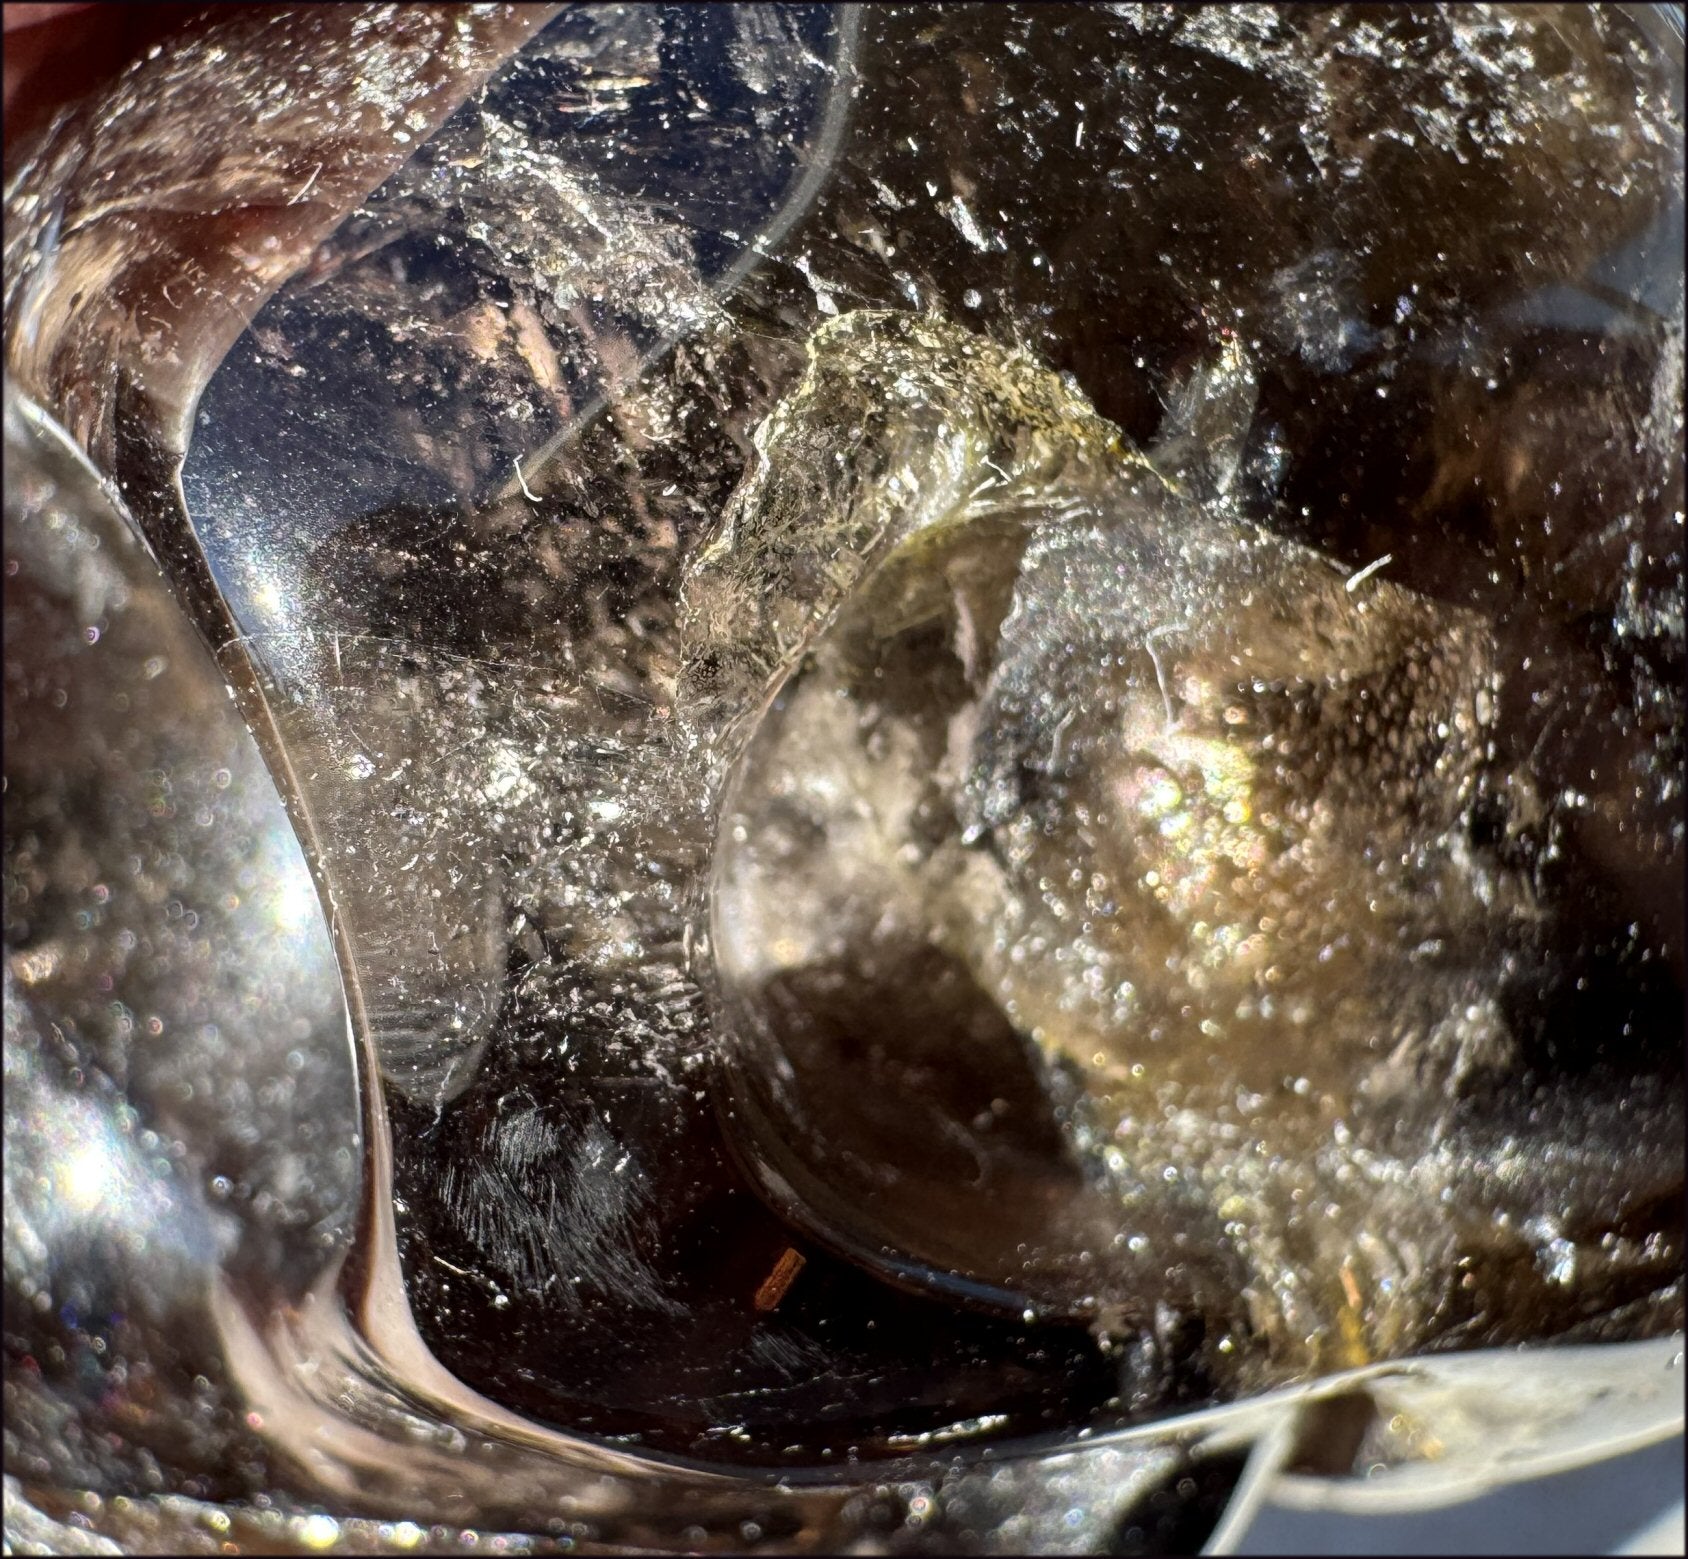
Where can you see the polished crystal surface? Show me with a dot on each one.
(976, 713)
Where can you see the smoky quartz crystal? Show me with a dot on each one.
(865, 779)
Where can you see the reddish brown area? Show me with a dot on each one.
(57, 53)
(777, 1282)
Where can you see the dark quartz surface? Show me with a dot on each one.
(520, 512)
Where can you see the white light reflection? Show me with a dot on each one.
(270, 600)
(87, 1178)
(79, 1166)
(101, 1179)
(293, 902)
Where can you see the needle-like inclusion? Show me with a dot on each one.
(1045, 759)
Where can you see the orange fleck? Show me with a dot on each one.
(777, 1282)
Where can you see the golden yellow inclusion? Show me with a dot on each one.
(1196, 793)
(1087, 737)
